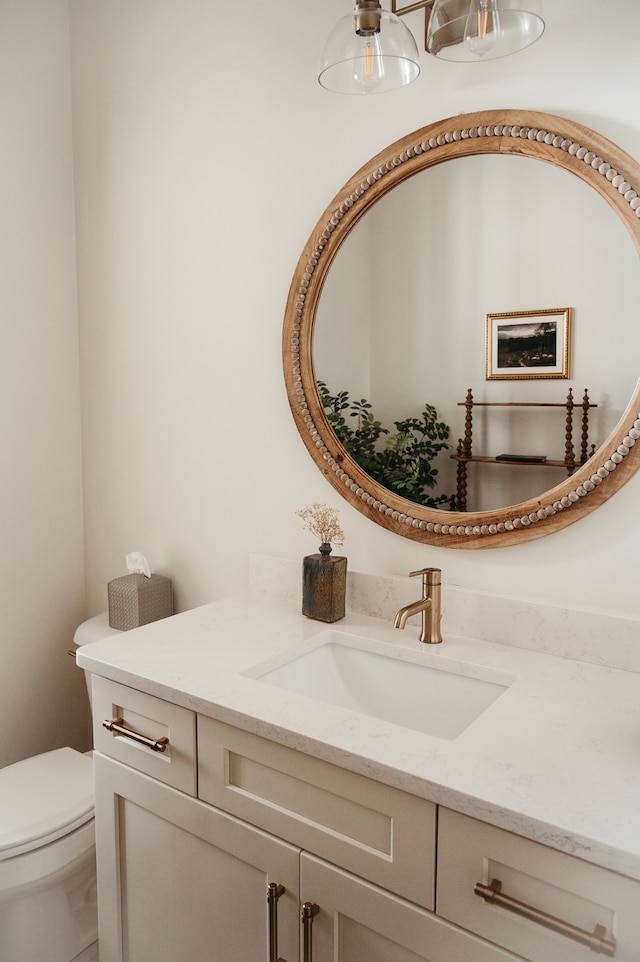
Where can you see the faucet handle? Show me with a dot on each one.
(430, 576)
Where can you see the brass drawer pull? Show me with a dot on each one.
(309, 911)
(116, 725)
(593, 940)
(274, 891)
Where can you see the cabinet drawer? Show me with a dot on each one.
(372, 830)
(154, 720)
(572, 900)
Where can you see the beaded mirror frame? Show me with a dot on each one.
(568, 145)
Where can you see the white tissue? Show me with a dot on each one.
(138, 564)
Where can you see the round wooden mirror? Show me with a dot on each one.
(571, 148)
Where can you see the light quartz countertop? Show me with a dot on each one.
(556, 758)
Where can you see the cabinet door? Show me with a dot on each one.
(359, 922)
(178, 879)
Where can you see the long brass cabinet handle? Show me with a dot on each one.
(116, 725)
(309, 911)
(274, 891)
(595, 940)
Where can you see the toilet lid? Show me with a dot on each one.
(43, 798)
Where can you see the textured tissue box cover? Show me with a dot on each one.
(136, 600)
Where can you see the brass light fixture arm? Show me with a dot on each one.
(426, 5)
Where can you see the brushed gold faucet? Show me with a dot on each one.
(429, 606)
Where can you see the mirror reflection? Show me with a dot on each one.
(401, 317)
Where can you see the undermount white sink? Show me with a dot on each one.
(343, 670)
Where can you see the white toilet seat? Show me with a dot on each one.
(38, 868)
(43, 799)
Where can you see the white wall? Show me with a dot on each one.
(42, 695)
(205, 151)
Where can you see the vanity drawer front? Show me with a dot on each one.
(152, 718)
(585, 899)
(372, 830)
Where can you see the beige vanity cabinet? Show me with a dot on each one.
(177, 878)
(217, 844)
(367, 861)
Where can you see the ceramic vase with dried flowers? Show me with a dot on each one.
(324, 577)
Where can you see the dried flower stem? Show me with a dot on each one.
(323, 522)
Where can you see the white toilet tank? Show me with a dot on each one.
(95, 629)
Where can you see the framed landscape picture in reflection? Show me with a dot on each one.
(528, 344)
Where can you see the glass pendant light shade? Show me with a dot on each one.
(368, 51)
(468, 30)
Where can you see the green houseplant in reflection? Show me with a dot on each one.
(400, 460)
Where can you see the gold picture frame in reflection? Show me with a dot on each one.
(528, 344)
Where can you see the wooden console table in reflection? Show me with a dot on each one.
(464, 455)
